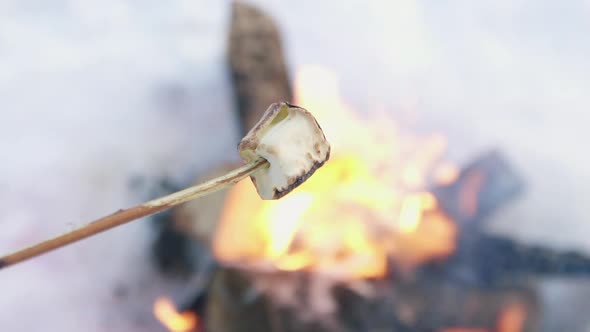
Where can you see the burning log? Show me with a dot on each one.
(496, 260)
(482, 188)
(233, 305)
(256, 62)
(427, 304)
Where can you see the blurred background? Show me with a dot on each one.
(98, 99)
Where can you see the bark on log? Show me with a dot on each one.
(256, 62)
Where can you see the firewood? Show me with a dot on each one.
(233, 305)
(256, 63)
(418, 304)
(484, 185)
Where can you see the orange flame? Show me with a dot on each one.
(367, 204)
(446, 173)
(166, 313)
(512, 318)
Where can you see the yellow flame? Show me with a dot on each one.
(166, 313)
(412, 210)
(284, 220)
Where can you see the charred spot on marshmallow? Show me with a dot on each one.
(293, 143)
(299, 180)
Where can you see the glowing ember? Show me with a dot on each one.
(174, 321)
(512, 318)
(366, 205)
(468, 194)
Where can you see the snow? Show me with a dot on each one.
(93, 94)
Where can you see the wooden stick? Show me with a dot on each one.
(124, 216)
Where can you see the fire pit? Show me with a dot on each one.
(388, 236)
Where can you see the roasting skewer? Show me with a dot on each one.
(281, 151)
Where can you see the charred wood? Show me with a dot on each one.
(497, 260)
(483, 186)
(423, 304)
(173, 252)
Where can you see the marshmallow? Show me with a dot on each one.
(292, 142)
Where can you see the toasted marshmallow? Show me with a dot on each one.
(292, 142)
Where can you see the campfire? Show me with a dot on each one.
(386, 236)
